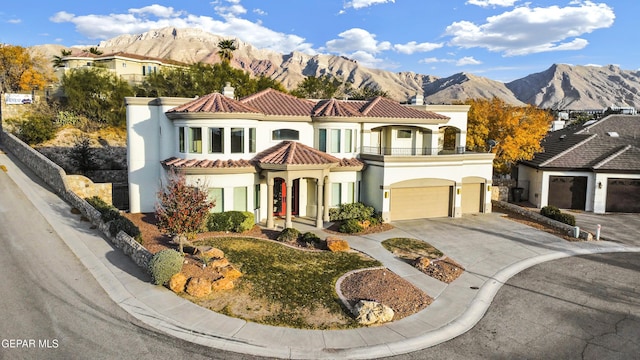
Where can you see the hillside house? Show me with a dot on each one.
(591, 167)
(280, 156)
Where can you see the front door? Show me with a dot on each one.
(280, 197)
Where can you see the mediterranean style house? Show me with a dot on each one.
(130, 67)
(591, 167)
(280, 156)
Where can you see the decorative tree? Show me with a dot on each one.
(20, 71)
(226, 49)
(182, 209)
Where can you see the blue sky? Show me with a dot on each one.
(499, 39)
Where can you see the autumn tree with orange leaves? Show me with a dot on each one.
(21, 71)
(516, 130)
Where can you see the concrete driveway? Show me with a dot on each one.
(622, 228)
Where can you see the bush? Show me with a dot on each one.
(357, 211)
(554, 213)
(236, 221)
(311, 240)
(567, 219)
(164, 265)
(111, 215)
(288, 235)
(350, 226)
(550, 211)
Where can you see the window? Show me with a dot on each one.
(256, 197)
(181, 139)
(216, 140)
(322, 140)
(252, 140)
(351, 193)
(335, 194)
(237, 140)
(348, 141)
(404, 134)
(217, 196)
(124, 64)
(335, 140)
(240, 198)
(195, 140)
(285, 134)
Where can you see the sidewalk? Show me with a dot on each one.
(491, 248)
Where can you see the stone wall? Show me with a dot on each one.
(568, 229)
(56, 178)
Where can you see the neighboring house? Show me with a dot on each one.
(277, 155)
(595, 167)
(130, 67)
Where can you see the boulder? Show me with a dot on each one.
(230, 272)
(219, 263)
(369, 312)
(177, 283)
(222, 284)
(335, 244)
(198, 287)
(212, 253)
(422, 263)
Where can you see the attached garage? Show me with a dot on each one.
(420, 202)
(568, 192)
(472, 200)
(623, 195)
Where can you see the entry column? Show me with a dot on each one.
(270, 222)
(319, 205)
(327, 199)
(287, 221)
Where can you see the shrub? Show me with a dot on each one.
(109, 214)
(288, 235)
(550, 211)
(35, 129)
(351, 211)
(236, 221)
(98, 204)
(350, 226)
(164, 265)
(311, 240)
(567, 219)
(554, 213)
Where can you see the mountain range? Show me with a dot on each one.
(561, 86)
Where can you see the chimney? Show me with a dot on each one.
(228, 91)
(418, 99)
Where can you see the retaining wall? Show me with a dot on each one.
(54, 176)
(585, 235)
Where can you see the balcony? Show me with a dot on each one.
(413, 151)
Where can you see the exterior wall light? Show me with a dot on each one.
(599, 184)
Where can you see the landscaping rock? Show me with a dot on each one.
(371, 312)
(335, 244)
(198, 287)
(422, 263)
(212, 253)
(222, 284)
(177, 283)
(219, 263)
(230, 272)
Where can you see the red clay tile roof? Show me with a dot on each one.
(333, 107)
(273, 102)
(381, 107)
(214, 103)
(351, 162)
(216, 164)
(294, 153)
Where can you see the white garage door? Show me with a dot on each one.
(418, 203)
(471, 198)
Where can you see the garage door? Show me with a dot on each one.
(471, 198)
(418, 203)
(568, 192)
(623, 195)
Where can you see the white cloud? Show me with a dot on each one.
(527, 30)
(413, 47)
(433, 60)
(259, 12)
(356, 39)
(487, 3)
(14, 21)
(156, 16)
(359, 4)
(468, 60)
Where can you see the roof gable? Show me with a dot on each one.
(274, 102)
(294, 153)
(214, 103)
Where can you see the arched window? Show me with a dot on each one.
(285, 134)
